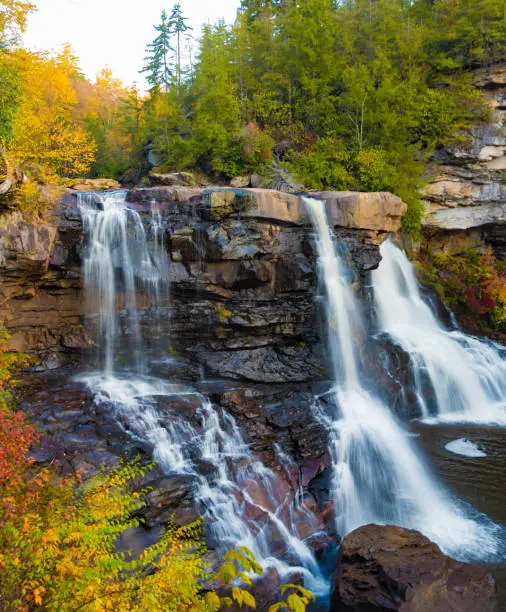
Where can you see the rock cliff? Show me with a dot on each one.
(242, 277)
(466, 198)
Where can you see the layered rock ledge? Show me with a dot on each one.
(467, 196)
(242, 282)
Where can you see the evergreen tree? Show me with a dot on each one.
(216, 116)
(159, 69)
(178, 27)
(357, 93)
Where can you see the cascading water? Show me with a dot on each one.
(118, 265)
(244, 502)
(379, 476)
(465, 377)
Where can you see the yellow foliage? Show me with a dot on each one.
(65, 558)
(13, 15)
(46, 133)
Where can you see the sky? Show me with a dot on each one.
(113, 32)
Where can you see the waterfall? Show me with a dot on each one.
(118, 265)
(464, 378)
(244, 502)
(379, 475)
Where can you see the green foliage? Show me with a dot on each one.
(360, 93)
(325, 165)
(179, 28)
(164, 67)
(10, 93)
(216, 118)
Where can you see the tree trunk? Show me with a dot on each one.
(14, 176)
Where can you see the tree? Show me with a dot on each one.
(216, 114)
(47, 135)
(178, 27)
(13, 14)
(10, 95)
(159, 68)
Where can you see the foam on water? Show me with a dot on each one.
(465, 447)
(239, 496)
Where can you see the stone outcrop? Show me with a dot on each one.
(386, 568)
(468, 191)
(378, 212)
(176, 178)
(242, 277)
(99, 184)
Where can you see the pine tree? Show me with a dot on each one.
(159, 69)
(178, 27)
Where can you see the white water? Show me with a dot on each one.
(379, 475)
(465, 376)
(244, 502)
(119, 263)
(465, 447)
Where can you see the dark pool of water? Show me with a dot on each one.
(479, 481)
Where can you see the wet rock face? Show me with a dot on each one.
(286, 417)
(386, 568)
(469, 189)
(243, 277)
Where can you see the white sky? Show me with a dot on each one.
(113, 32)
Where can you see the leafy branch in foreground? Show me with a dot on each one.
(59, 537)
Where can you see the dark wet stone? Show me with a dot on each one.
(75, 441)
(387, 568)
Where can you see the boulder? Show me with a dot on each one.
(379, 211)
(257, 181)
(240, 181)
(492, 76)
(182, 179)
(163, 196)
(265, 204)
(170, 491)
(386, 568)
(99, 184)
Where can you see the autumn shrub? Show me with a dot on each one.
(45, 131)
(59, 536)
(26, 198)
(473, 283)
(58, 550)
